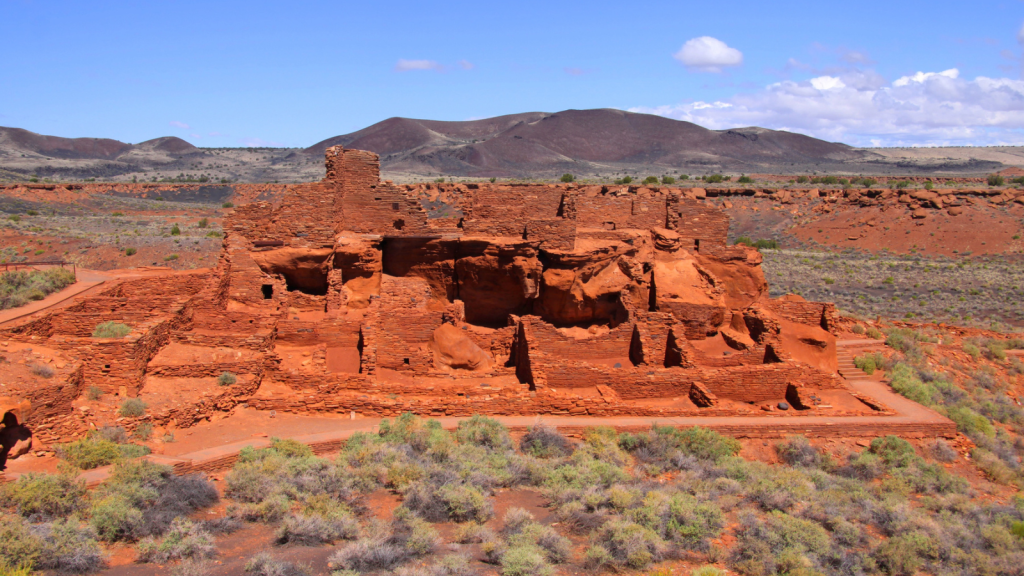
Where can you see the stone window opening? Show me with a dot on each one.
(399, 224)
(405, 361)
(268, 291)
(394, 206)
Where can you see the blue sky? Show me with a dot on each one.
(293, 73)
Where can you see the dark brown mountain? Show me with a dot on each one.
(582, 141)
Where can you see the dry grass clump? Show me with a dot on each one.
(18, 288)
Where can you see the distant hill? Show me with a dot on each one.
(588, 143)
(584, 140)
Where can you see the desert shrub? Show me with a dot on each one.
(143, 431)
(624, 180)
(68, 547)
(42, 370)
(779, 543)
(203, 223)
(972, 350)
(44, 496)
(450, 501)
(263, 564)
(745, 180)
(448, 565)
(111, 329)
(702, 443)
(175, 231)
(567, 178)
(130, 251)
(679, 518)
(93, 393)
(668, 180)
(19, 287)
(650, 180)
(132, 408)
(630, 545)
(170, 257)
(406, 537)
(525, 560)
(797, 451)
(228, 205)
(996, 180)
(857, 329)
(18, 546)
(94, 451)
(483, 431)
(143, 499)
(875, 333)
(802, 179)
(942, 451)
(226, 379)
(115, 434)
(544, 441)
(707, 571)
(714, 179)
(322, 520)
(903, 554)
(184, 540)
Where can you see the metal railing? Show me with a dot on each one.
(28, 264)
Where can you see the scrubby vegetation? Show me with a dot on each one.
(100, 448)
(966, 292)
(19, 287)
(111, 329)
(617, 501)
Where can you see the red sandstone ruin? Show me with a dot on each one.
(357, 295)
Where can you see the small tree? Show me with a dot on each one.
(996, 180)
(651, 180)
(745, 180)
(568, 177)
(668, 180)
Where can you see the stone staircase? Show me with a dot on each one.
(847, 350)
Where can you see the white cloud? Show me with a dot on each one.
(861, 108)
(466, 65)
(922, 77)
(410, 65)
(177, 124)
(1020, 34)
(827, 83)
(707, 54)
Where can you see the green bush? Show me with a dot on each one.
(567, 178)
(668, 180)
(714, 179)
(111, 329)
(802, 179)
(94, 451)
(232, 205)
(972, 350)
(18, 546)
(483, 431)
(996, 180)
(651, 180)
(745, 180)
(631, 545)
(18, 287)
(185, 540)
(94, 393)
(203, 223)
(170, 257)
(130, 251)
(226, 379)
(874, 333)
(68, 546)
(132, 408)
(35, 495)
(869, 362)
